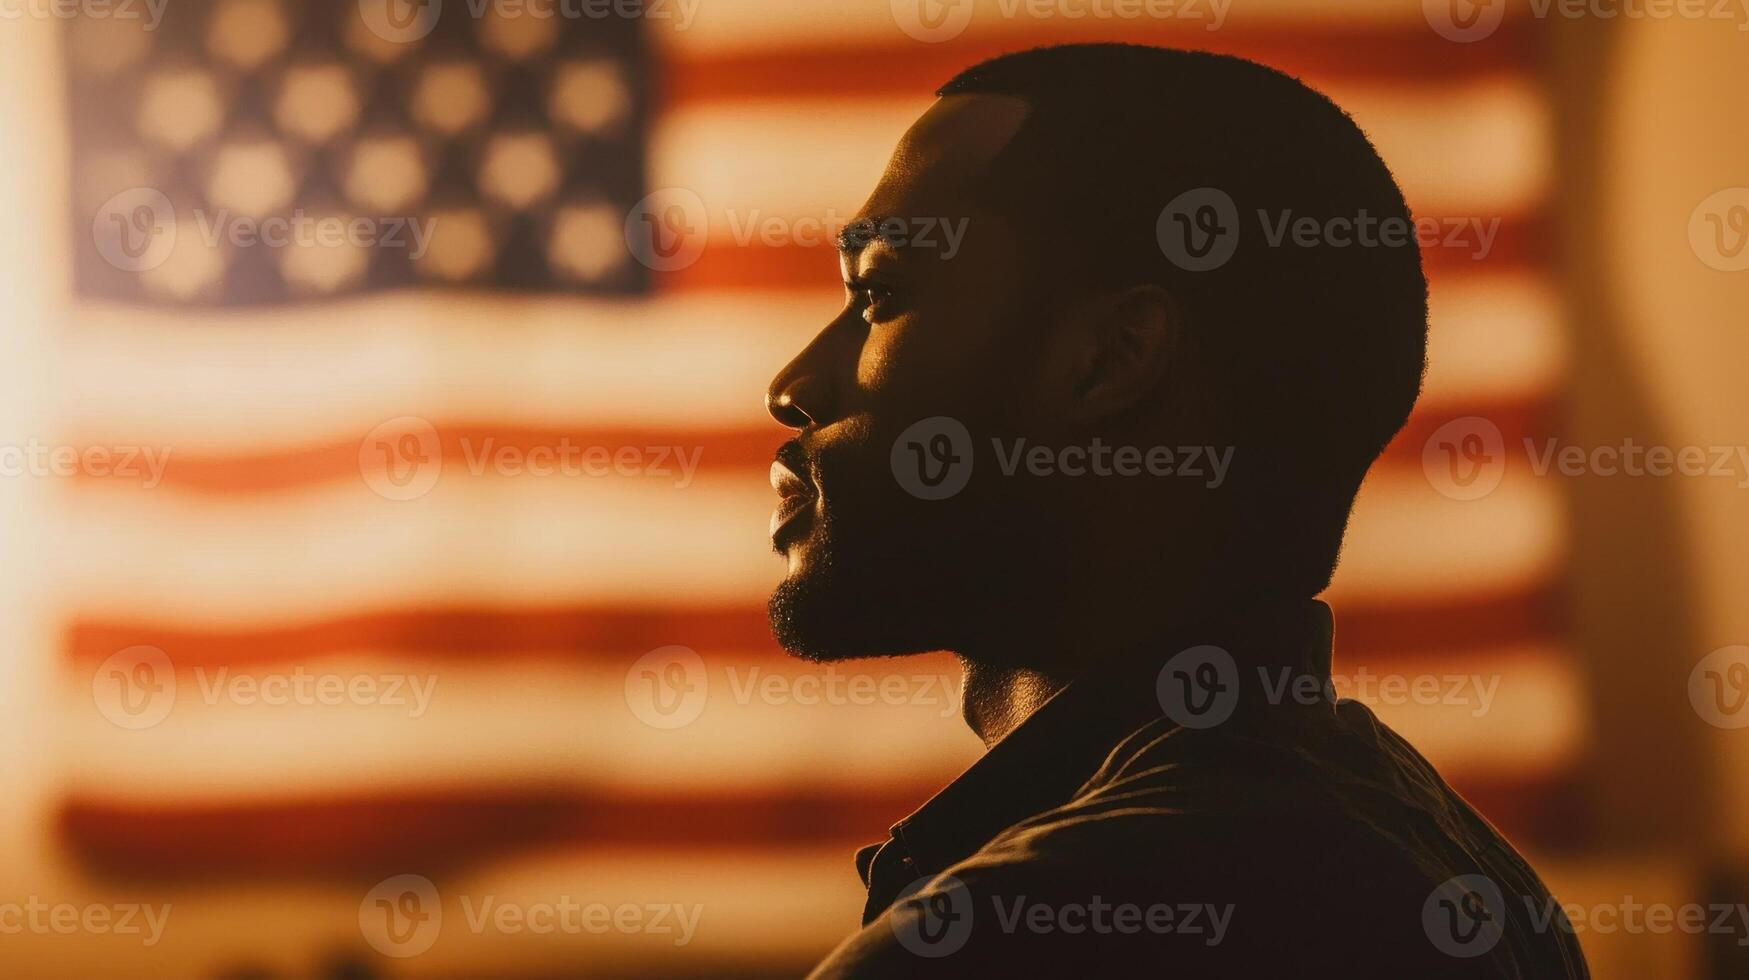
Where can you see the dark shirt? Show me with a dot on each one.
(1164, 818)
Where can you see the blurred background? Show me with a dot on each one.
(384, 508)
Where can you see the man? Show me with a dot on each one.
(1101, 443)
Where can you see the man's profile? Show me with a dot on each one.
(1104, 451)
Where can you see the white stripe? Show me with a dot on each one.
(1406, 541)
(512, 726)
(216, 384)
(1457, 149)
(755, 907)
(1492, 339)
(1516, 711)
(171, 557)
(168, 557)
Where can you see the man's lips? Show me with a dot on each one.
(795, 494)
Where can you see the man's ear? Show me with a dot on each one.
(1114, 351)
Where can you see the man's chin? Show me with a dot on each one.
(824, 621)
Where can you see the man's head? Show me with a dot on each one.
(1081, 381)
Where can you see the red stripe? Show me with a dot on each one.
(719, 450)
(888, 63)
(1380, 632)
(464, 447)
(611, 635)
(578, 632)
(431, 833)
(434, 831)
(1552, 814)
(1517, 421)
(1521, 242)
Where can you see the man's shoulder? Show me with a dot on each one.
(1293, 776)
(1106, 887)
(1244, 838)
(1323, 849)
(1337, 844)
(1312, 791)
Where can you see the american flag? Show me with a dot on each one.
(466, 475)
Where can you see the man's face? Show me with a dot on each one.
(884, 554)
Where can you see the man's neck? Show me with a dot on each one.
(996, 698)
(1011, 676)
(1014, 671)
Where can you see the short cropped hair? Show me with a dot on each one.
(1306, 358)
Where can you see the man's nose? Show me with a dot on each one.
(789, 400)
(801, 394)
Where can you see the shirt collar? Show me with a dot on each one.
(1052, 753)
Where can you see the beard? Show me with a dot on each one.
(854, 601)
(887, 574)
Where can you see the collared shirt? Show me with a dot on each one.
(1208, 811)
